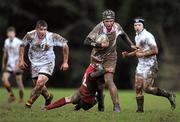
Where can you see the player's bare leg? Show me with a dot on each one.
(108, 78)
(7, 85)
(100, 96)
(21, 87)
(37, 90)
(139, 94)
(47, 96)
(148, 88)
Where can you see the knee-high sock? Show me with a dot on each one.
(58, 103)
(161, 92)
(140, 103)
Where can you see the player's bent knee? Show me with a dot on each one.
(40, 84)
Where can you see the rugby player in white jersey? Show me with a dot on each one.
(42, 58)
(9, 62)
(105, 52)
(147, 67)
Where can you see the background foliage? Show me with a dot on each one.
(74, 19)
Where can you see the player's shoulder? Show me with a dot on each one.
(6, 40)
(31, 32)
(53, 35)
(149, 34)
(18, 39)
(99, 25)
(30, 35)
(117, 24)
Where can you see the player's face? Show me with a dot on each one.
(138, 27)
(41, 32)
(11, 34)
(108, 23)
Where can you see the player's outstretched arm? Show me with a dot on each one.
(125, 37)
(128, 54)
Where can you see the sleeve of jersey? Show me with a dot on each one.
(5, 44)
(26, 40)
(58, 40)
(90, 39)
(151, 40)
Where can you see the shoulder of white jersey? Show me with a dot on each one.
(31, 32)
(99, 25)
(117, 25)
(6, 41)
(151, 37)
(118, 28)
(18, 40)
(50, 33)
(149, 34)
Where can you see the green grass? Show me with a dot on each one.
(157, 109)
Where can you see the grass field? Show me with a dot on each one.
(157, 109)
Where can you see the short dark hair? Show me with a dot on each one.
(41, 23)
(11, 28)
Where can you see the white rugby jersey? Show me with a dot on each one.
(144, 40)
(41, 51)
(12, 47)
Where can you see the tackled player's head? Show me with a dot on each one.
(41, 27)
(138, 24)
(108, 17)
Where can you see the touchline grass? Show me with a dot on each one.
(157, 109)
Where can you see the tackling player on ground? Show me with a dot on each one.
(147, 67)
(42, 58)
(89, 93)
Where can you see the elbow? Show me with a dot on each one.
(65, 46)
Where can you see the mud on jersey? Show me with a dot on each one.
(41, 51)
(12, 47)
(104, 53)
(147, 66)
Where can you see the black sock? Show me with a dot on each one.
(163, 93)
(140, 103)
